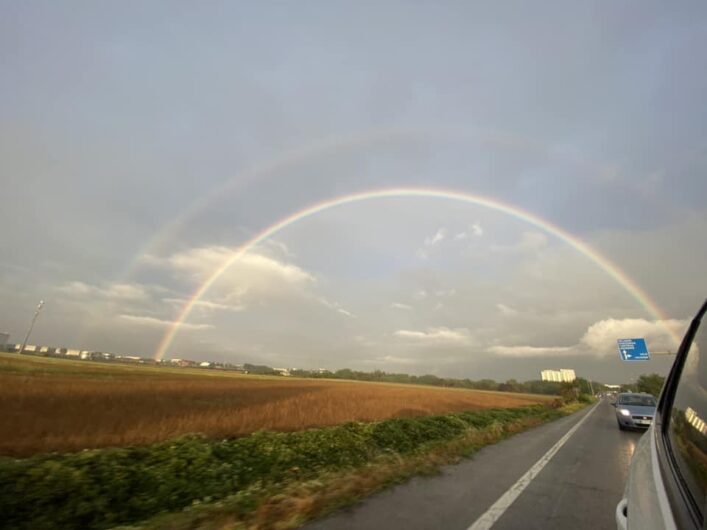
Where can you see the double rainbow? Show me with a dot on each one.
(601, 261)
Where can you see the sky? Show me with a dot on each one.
(141, 144)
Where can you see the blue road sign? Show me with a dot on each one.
(633, 350)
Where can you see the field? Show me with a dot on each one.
(59, 405)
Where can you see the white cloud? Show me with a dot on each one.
(251, 279)
(398, 305)
(439, 236)
(475, 230)
(660, 335)
(600, 338)
(336, 307)
(420, 294)
(159, 323)
(203, 304)
(431, 241)
(506, 310)
(76, 288)
(529, 351)
(113, 291)
(203, 262)
(436, 335)
(392, 359)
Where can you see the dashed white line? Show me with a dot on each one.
(498, 508)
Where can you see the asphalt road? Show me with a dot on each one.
(578, 487)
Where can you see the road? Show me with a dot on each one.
(578, 487)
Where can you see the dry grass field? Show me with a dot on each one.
(58, 405)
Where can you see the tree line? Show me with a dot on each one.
(534, 386)
(650, 383)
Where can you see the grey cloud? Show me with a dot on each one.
(122, 138)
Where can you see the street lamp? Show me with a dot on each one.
(31, 325)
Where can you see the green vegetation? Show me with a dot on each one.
(651, 384)
(648, 383)
(103, 488)
(511, 385)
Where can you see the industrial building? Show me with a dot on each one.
(563, 375)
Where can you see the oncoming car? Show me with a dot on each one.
(634, 410)
(667, 479)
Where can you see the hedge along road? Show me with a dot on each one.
(576, 483)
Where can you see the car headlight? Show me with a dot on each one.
(624, 412)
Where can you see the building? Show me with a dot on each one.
(4, 340)
(564, 375)
(568, 375)
(551, 375)
(184, 363)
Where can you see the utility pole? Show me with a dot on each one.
(34, 319)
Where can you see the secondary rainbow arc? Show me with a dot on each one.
(584, 248)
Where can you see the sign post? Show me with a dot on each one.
(633, 350)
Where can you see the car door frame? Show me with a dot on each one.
(684, 511)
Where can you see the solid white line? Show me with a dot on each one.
(498, 508)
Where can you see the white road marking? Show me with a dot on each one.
(498, 508)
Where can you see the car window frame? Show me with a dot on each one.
(685, 510)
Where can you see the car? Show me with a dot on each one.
(634, 411)
(666, 486)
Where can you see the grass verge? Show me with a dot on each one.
(266, 480)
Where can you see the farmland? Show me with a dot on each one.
(52, 405)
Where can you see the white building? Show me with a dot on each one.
(564, 375)
(568, 375)
(551, 375)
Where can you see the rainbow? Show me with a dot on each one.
(603, 262)
(337, 144)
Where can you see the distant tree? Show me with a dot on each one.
(599, 387)
(542, 387)
(486, 384)
(511, 385)
(651, 383)
(429, 379)
(344, 373)
(259, 369)
(583, 385)
(569, 391)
